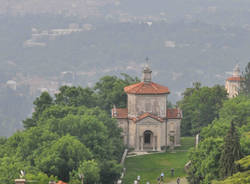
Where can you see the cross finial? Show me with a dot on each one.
(147, 60)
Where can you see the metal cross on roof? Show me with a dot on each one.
(147, 62)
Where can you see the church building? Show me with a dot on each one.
(233, 83)
(147, 123)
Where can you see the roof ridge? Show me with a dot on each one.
(140, 84)
(146, 88)
(154, 85)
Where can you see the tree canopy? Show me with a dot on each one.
(68, 134)
(242, 177)
(245, 83)
(222, 144)
(200, 106)
(230, 154)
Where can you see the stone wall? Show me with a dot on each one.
(154, 104)
(124, 124)
(173, 129)
(158, 130)
(133, 132)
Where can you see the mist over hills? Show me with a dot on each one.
(225, 12)
(41, 42)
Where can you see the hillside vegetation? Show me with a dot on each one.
(223, 152)
(69, 135)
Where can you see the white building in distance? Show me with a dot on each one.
(233, 83)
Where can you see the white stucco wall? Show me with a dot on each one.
(232, 88)
(154, 104)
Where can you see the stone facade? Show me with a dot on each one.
(154, 104)
(147, 124)
(233, 83)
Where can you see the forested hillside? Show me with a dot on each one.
(222, 156)
(41, 42)
(69, 135)
(73, 134)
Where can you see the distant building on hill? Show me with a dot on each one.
(233, 83)
(147, 123)
(11, 84)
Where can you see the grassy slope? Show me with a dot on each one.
(149, 167)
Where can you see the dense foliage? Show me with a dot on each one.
(230, 153)
(68, 135)
(245, 84)
(242, 177)
(222, 144)
(200, 106)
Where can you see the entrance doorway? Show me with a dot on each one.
(148, 139)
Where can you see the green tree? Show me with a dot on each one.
(200, 106)
(63, 156)
(3, 140)
(231, 152)
(237, 110)
(10, 167)
(86, 123)
(244, 163)
(90, 170)
(41, 103)
(88, 129)
(110, 91)
(110, 171)
(39, 178)
(205, 161)
(245, 83)
(242, 177)
(245, 140)
(94, 128)
(27, 144)
(75, 96)
(65, 132)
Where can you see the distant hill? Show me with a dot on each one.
(224, 12)
(45, 44)
(180, 53)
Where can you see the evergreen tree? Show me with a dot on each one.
(230, 153)
(245, 83)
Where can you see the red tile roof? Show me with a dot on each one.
(174, 114)
(234, 79)
(60, 182)
(146, 88)
(121, 113)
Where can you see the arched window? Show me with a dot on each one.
(147, 137)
